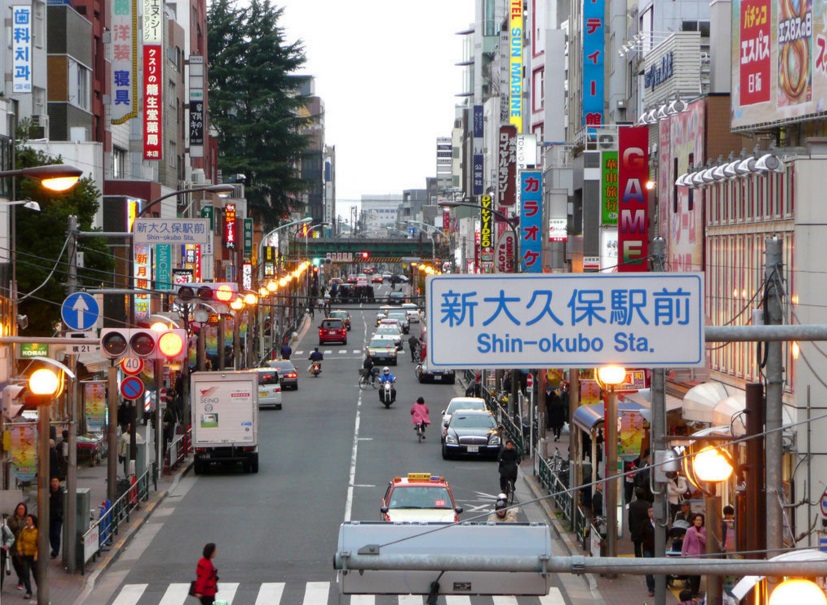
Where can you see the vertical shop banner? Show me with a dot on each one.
(505, 252)
(196, 106)
(479, 150)
(247, 275)
(182, 276)
(163, 267)
(756, 64)
(124, 71)
(229, 226)
(608, 188)
(142, 270)
(486, 233)
(270, 254)
(477, 240)
(21, 48)
(94, 399)
(153, 80)
(507, 166)
(633, 172)
(795, 53)
(446, 222)
(248, 239)
(23, 453)
(191, 259)
(209, 213)
(594, 49)
(531, 221)
(515, 65)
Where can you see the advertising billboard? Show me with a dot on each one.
(124, 71)
(531, 221)
(608, 187)
(486, 231)
(22, 49)
(507, 166)
(153, 80)
(515, 69)
(780, 76)
(633, 172)
(594, 50)
(479, 130)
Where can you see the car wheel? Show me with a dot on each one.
(445, 455)
(344, 342)
(395, 362)
(320, 343)
(196, 467)
(453, 380)
(247, 466)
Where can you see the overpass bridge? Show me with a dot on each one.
(350, 250)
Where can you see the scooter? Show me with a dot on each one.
(315, 369)
(386, 395)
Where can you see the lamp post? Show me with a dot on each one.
(224, 188)
(609, 377)
(511, 221)
(436, 230)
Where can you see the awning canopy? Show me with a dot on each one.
(644, 398)
(718, 404)
(587, 417)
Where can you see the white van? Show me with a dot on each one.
(269, 388)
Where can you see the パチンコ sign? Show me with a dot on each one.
(565, 320)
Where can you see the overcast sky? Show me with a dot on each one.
(387, 74)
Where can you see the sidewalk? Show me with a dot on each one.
(66, 588)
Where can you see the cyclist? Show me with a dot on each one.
(368, 368)
(315, 357)
(419, 415)
(503, 514)
(388, 377)
(509, 460)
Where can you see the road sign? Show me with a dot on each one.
(171, 231)
(824, 503)
(565, 320)
(132, 365)
(132, 387)
(529, 383)
(80, 311)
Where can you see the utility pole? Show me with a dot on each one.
(70, 544)
(774, 291)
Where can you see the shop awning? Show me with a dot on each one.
(587, 417)
(718, 404)
(644, 398)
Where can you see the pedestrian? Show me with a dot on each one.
(685, 513)
(206, 576)
(509, 462)
(63, 452)
(54, 460)
(685, 597)
(16, 524)
(647, 537)
(7, 540)
(55, 515)
(27, 547)
(638, 513)
(728, 531)
(694, 545)
(475, 388)
(642, 475)
(413, 344)
(555, 413)
(628, 481)
(676, 488)
(286, 351)
(597, 500)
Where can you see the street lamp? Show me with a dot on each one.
(511, 221)
(798, 590)
(609, 377)
(219, 189)
(54, 177)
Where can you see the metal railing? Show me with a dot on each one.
(109, 523)
(178, 450)
(554, 478)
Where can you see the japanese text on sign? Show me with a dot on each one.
(594, 48)
(170, 231)
(531, 221)
(21, 49)
(565, 320)
(124, 72)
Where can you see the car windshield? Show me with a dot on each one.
(402, 315)
(338, 314)
(390, 330)
(473, 421)
(284, 366)
(420, 497)
(265, 378)
(381, 343)
(464, 405)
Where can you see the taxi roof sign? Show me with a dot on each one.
(420, 476)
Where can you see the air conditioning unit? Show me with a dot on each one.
(40, 124)
(198, 177)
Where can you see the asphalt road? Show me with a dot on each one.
(326, 457)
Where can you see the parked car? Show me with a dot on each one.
(269, 388)
(471, 433)
(341, 314)
(425, 374)
(462, 403)
(332, 330)
(288, 376)
(382, 350)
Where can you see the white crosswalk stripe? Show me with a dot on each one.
(312, 593)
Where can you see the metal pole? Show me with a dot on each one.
(612, 485)
(159, 431)
(43, 547)
(70, 544)
(575, 459)
(775, 390)
(660, 506)
(112, 430)
(714, 584)
(221, 360)
(236, 340)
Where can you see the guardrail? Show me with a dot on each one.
(554, 476)
(102, 532)
(178, 450)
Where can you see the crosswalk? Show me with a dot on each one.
(312, 593)
(331, 352)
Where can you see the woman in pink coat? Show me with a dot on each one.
(419, 414)
(694, 545)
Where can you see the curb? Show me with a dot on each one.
(121, 544)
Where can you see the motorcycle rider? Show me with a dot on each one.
(387, 377)
(316, 357)
(419, 415)
(502, 514)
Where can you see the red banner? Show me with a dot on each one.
(633, 211)
(153, 104)
(755, 51)
(507, 166)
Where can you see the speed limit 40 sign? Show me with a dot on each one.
(132, 365)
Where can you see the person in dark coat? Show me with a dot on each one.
(597, 501)
(55, 515)
(555, 413)
(646, 531)
(638, 513)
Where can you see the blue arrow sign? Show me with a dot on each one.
(80, 311)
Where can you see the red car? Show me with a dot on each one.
(332, 330)
(376, 279)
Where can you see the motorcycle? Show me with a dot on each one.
(315, 369)
(386, 394)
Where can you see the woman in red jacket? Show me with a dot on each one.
(206, 577)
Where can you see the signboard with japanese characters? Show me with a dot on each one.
(21, 48)
(153, 80)
(479, 130)
(565, 320)
(531, 221)
(196, 106)
(633, 206)
(170, 231)
(229, 226)
(124, 71)
(142, 271)
(507, 166)
(594, 50)
(248, 239)
(608, 187)
(486, 232)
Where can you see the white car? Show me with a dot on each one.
(413, 312)
(393, 332)
(461, 403)
(269, 388)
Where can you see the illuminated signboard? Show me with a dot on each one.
(229, 226)
(515, 77)
(22, 49)
(153, 81)
(608, 187)
(486, 231)
(507, 166)
(633, 172)
(124, 70)
(531, 221)
(594, 34)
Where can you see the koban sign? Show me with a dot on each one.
(565, 320)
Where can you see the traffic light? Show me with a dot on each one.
(117, 343)
(223, 292)
(365, 255)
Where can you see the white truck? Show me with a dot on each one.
(224, 419)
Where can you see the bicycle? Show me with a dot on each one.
(509, 492)
(420, 431)
(366, 379)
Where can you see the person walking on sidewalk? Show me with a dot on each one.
(6, 544)
(16, 524)
(55, 515)
(694, 545)
(27, 547)
(647, 537)
(206, 576)
(637, 515)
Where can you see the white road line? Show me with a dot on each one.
(316, 593)
(342, 352)
(357, 352)
(131, 594)
(176, 594)
(226, 591)
(363, 599)
(505, 600)
(270, 593)
(554, 597)
(457, 600)
(410, 599)
(299, 353)
(352, 475)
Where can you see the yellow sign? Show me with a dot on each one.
(515, 104)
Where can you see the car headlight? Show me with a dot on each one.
(494, 440)
(451, 438)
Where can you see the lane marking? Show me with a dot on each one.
(270, 593)
(316, 593)
(176, 593)
(363, 599)
(351, 481)
(554, 597)
(131, 594)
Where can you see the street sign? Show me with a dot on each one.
(824, 504)
(171, 231)
(132, 387)
(529, 383)
(33, 349)
(80, 311)
(565, 320)
(132, 365)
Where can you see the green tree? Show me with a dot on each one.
(42, 254)
(255, 103)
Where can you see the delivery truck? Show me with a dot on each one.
(224, 419)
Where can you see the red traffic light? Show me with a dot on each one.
(171, 344)
(365, 254)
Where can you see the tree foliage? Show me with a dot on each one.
(255, 103)
(41, 251)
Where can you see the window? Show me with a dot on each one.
(118, 163)
(80, 89)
